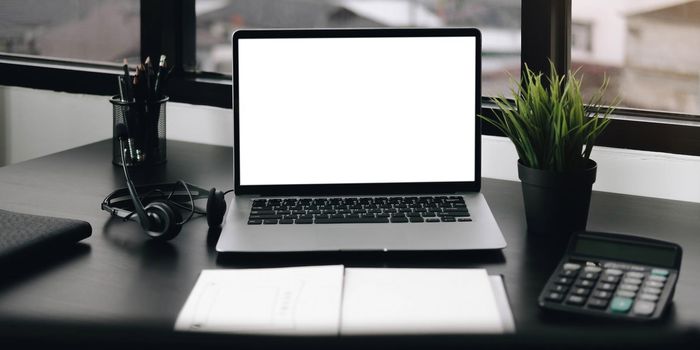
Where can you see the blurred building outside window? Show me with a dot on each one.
(498, 20)
(650, 50)
(86, 30)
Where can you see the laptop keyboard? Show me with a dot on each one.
(358, 210)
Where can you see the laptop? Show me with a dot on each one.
(357, 140)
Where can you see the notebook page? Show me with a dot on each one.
(419, 301)
(283, 301)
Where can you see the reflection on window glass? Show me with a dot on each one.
(104, 30)
(498, 20)
(649, 49)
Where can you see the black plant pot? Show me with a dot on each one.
(556, 203)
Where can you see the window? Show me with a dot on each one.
(88, 30)
(649, 49)
(499, 22)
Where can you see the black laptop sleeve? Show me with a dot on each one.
(24, 233)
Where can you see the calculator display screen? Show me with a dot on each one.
(627, 251)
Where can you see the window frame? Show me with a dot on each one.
(169, 27)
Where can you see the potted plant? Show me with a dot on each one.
(553, 132)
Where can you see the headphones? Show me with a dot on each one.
(160, 218)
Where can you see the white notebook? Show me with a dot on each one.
(332, 300)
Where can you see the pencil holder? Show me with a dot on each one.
(145, 122)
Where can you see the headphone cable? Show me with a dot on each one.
(193, 210)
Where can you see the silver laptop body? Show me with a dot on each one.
(333, 114)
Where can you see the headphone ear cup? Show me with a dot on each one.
(165, 222)
(216, 208)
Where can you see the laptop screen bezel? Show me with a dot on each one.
(357, 188)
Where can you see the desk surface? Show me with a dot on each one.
(119, 278)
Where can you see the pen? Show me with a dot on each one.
(126, 67)
(149, 73)
(160, 77)
(129, 88)
(128, 122)
(122, 91)
(143, 85)
(155, 113)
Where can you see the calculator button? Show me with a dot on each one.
(554, 296)
(651, 290)
(629, 280)
(568, 273)
(559, 288)
(602, 294)
(606, 286)
(585, 283)
(594, 269)
(625, 294)
(610, 278)
(613, 272)
(649, 297)
(644, 307)
(590, 275)
(575, 300)
(563, 280)
(659, 272)
(634, 274)
(581, 291)
(653, 284)
(629, 287)
(620, 304)
(657, 278)
(597, 303)
(571, 266)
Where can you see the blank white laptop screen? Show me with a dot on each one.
(357, 110)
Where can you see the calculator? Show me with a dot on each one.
(614, 276)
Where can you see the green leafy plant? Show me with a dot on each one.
(550, 126)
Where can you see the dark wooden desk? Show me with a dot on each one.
(118, 282)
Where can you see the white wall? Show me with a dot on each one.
(35, 123)
(649, 174)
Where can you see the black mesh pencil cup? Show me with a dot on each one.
(145, 123)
